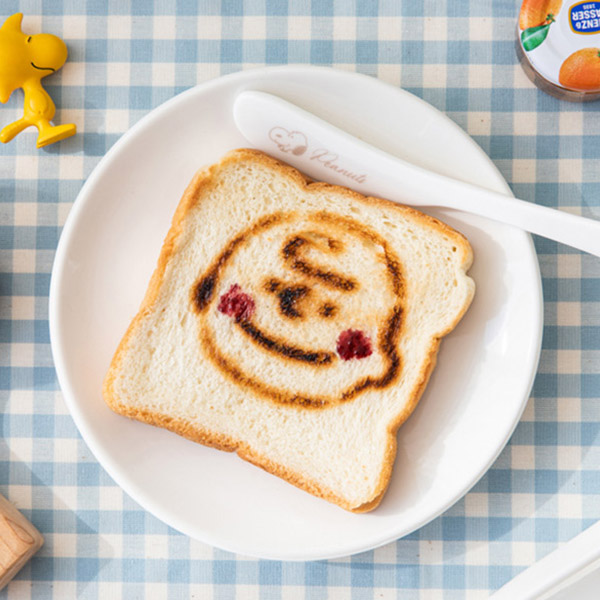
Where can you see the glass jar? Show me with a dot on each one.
(559, 47)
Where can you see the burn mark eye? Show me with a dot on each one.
(272, 285)
(288, 296)
(328, 310)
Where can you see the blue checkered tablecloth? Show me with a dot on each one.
(129, 56)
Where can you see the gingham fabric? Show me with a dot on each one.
(127, 57)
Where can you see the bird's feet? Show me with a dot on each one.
(54, 133)
(13, 129)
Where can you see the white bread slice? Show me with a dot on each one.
(238, 342)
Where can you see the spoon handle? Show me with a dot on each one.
(326, 153)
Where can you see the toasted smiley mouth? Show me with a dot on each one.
(351, 343)
(280, 347)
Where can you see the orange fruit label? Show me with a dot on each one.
(536, 12)
(581, 70)
(561, 43)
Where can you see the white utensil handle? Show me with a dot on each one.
(557, 570)
(324, 152)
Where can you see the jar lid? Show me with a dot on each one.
(561, 44)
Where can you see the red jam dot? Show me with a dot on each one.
(354, 343)
(236, 304)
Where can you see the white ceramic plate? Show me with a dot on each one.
(107, 253)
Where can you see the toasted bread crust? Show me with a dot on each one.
(191, 196)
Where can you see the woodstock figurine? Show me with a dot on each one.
(24, 60)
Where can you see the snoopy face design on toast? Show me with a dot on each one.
(303, 309)
(289, 141)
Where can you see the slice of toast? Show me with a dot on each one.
(294, 322)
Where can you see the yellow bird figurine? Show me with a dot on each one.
(24, 60)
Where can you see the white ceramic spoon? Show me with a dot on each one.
(327, 153)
